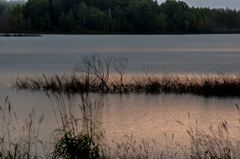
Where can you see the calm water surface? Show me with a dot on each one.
(145, 116)
(181, 54)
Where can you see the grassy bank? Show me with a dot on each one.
(219, 85)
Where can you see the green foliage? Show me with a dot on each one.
(46, 22)
(139, 16)
(71, 19)
(62, 21)
(71, 140)
(67, 22)
(71, 145)
(82, 13)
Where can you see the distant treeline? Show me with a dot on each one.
(115, 16)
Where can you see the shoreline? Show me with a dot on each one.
(39, 33)
(19, 35)
(215, 86)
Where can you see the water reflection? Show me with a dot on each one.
(179, 54)
(150, 116)
(144, 116)
(120, 43)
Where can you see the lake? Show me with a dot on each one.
(143, 115)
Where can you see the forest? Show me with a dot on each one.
(114, 16)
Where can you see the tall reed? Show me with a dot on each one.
(18, 140)
(217, 144)
(220, 85)
(77, 135)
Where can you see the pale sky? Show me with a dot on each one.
(211, 3)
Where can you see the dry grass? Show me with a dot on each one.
(84, 135)
(78, 134)
(217, 144)
(81, 136)
(18, 140)
(219, 85)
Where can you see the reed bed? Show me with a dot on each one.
(217, 144)
(19, 140)
(79, 135)
(219, 85)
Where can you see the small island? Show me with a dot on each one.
(18, 35)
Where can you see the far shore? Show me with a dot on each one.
(88, 32)
(18, 34)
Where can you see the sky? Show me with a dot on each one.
(211, 3)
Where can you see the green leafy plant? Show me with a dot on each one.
(76, 136)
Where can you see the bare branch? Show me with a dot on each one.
(120, 65)
(96, 65)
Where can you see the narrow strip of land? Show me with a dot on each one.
(220, 85)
